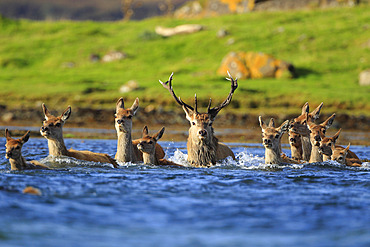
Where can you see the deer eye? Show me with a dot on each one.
(193, 123)
(324, 131)
(277, 136)
(210, 124)
(340, 158)
(129, 117)
(329, 144)
(18, 147)
(57, 125)
(150, 142)
(51, 125)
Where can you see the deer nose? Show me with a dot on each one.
(119, 121)
(44, 128)
(8, 154)
(266, 141)
(292, 140)
(202, 132)
(317, 138)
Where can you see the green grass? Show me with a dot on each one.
(328, 48)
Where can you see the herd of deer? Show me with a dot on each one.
(307, 139)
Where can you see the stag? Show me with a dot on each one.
(204, 149)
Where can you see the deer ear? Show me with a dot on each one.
(189, 113)
(159, 134)
(328, 122)
(145, 131)
(335, 137)
(347, 148)
(120, 104)
(25, 138)
(284, 126)
(7, 135)
(262, 124)
(46, 111)
(272, 123)
(316, 113)
(65, 115)
(305, 108)
(135, 106)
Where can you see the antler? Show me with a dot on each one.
(234, 85)
(168, 86)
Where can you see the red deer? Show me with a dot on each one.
(299, 126)
(295, 145)
(326, 147)
(204, 149)
(317, 132)
(52, 130)
(271, 140)
(147, 146)
(14, 153)
(340, 155)
(126, 148)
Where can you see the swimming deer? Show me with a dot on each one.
(204, 149)
(340, 155)
(317, 132)
(299, 126)
(326, 147)
(14, 153)
(295, 142)
(127, 150)
(147, 146)
(271, 140)
(52, 130)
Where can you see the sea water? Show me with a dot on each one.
(235, 203)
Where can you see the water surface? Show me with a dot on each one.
(236, 203)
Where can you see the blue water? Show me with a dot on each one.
(243, 203)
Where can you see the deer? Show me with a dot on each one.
(340, 155)
(271, 140)
(204, 149)
(52, 130)
(326, 147)
(127, 150)
(317, 132)
(147, 145)
(14, 153)
(295, 142)
(299, 126)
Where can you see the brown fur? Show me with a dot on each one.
(52, 130)
(271, 140)
(317, 133)
(299, 126)
(340, 155)
(126, 147)
(14, 154)
(203, 147)
(147, 145)
(295, 142)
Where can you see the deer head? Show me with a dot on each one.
(201, 123)
(52, 126)
(271, 136)
(317, 131)
(294, 138)
(123, 116)
(14, 146)
(147, 142)
(339, 155)
(327, 143)
(299, 124)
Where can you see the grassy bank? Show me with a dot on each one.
(49, 61)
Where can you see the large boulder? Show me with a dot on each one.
(255, 65)
(364, 78)
(181, 29)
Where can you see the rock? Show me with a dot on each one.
(129, 86)
(255, 65)
(191, 9)
(222, 33)
(94, 58)
(182, 29)
(364, 78)
(8, 117)
(113, 56)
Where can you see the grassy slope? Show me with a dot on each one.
(326, 46)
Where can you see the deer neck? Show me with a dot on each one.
(124, 147)
(202, 153)
(316, 156)
(57, 147)
(149, 158)
(296, 151)
(272, 155)
(18, 164)
(306, 148)
(326, 157)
